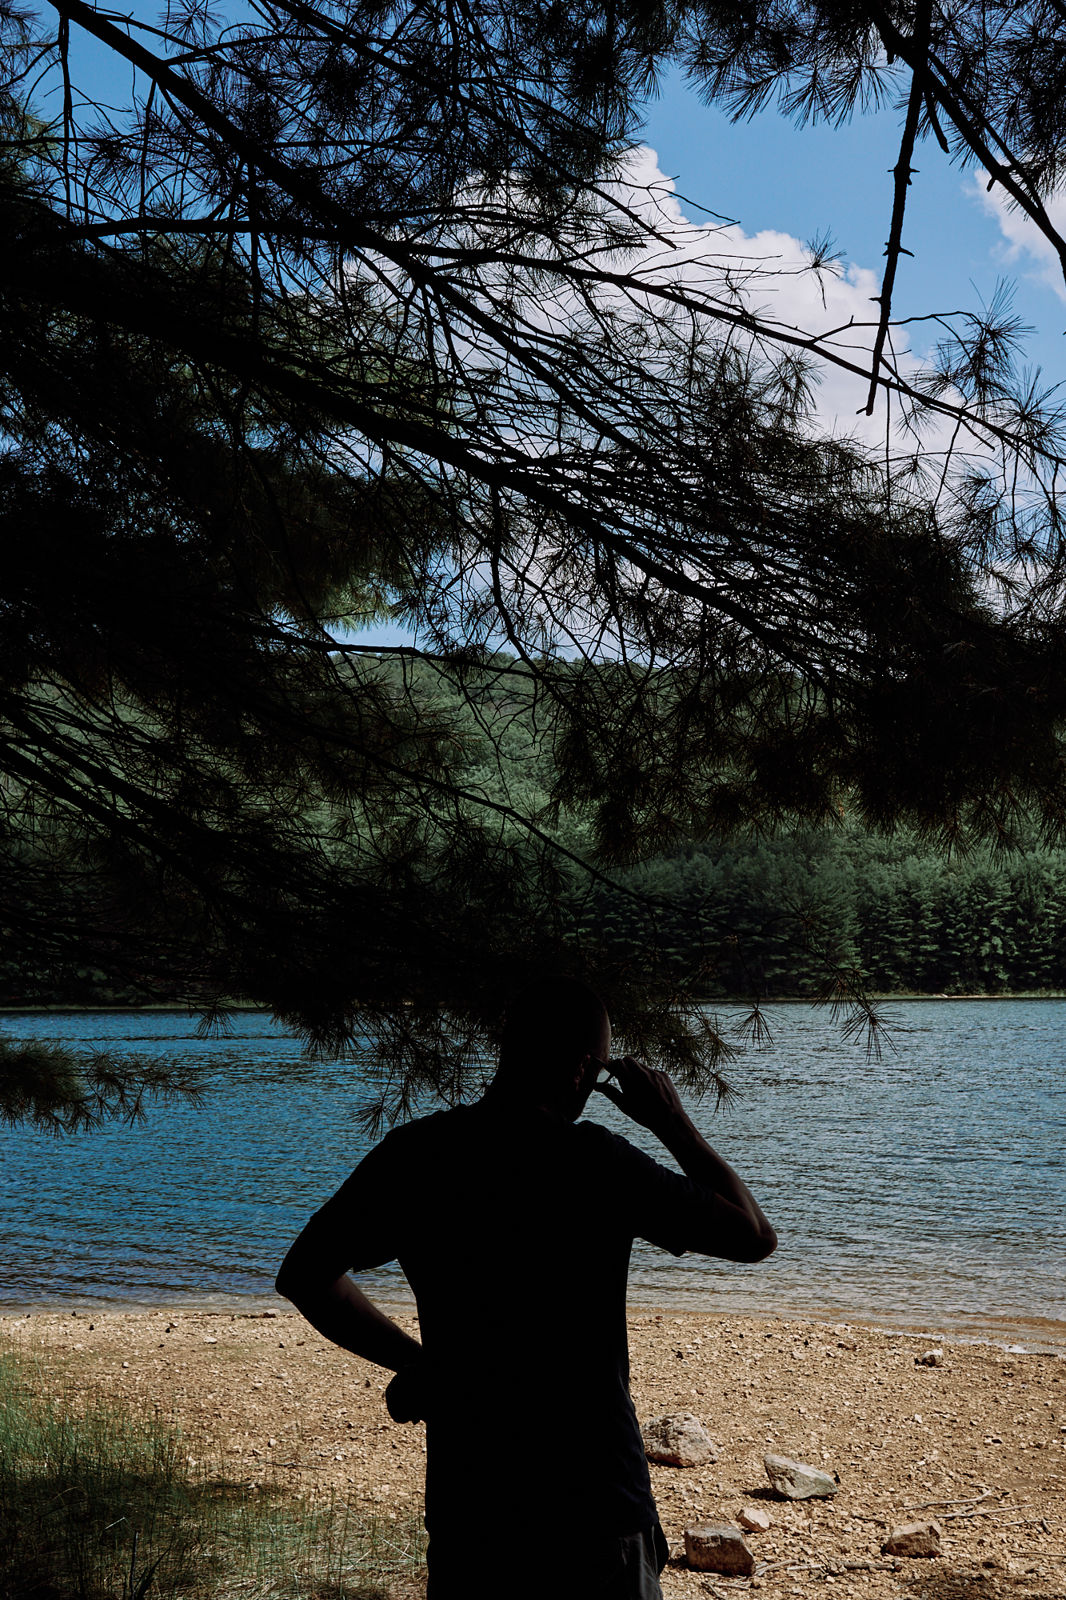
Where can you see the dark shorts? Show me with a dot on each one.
(625, 1568)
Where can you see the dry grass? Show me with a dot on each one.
(98, 1503)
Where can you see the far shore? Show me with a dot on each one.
(251, 1009)
(975, 1439)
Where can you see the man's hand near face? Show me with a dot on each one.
(649, 1098)
(646, 1096)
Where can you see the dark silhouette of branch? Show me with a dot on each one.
(944, 89)
(901, 173)
(351, 317)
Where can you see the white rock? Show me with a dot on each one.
(754, 1519)
(913, 1539)
(931, 1358)
(717, 1547)
(796, 1480)
(678, 1440)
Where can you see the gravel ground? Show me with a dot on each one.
(979, 1442)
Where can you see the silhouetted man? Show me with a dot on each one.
(513, 1223)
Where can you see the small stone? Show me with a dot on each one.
(913, 1539)
(717, 1547)
(678, 1440)
(754, 1519)
(796, 1480)
(210, 1339)
(930, 1358)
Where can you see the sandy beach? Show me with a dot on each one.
(978, 1443)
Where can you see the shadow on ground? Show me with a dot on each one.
(939, 1581)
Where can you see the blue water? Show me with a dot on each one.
(925, 1189)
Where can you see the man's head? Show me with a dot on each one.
(555, 1034)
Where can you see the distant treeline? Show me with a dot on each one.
(772, 916)
(758, 917)
(775, 916)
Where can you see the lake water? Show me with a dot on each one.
(927, 1189)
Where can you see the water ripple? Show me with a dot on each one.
(930, 1185)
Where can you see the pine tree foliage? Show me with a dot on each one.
(337, 311)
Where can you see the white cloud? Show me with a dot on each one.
(1022, 242)
(771, 272)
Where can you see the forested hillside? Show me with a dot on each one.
(753, 917)
(775, 915)
(768, 917)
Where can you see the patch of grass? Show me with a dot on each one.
(99, 1504)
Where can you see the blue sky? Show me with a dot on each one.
(767, 173)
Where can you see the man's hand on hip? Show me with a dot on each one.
(405, 1396)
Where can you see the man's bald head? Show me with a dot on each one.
(550, 1028)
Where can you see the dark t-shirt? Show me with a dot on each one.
(514, 1230)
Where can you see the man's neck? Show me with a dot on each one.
(503, 1097)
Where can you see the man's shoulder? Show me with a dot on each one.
(601, 1144)
(435, 1125)
(474, 1131)
(438, 1135)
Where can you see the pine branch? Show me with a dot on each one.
(943, 88)
(56, 1090)
(902, 172)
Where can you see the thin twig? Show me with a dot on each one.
(902, 174)
(825, 1566)
(988, 1511)
(945, 88)
(1026, 1522)
(970, 1500)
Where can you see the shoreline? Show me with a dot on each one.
(248, 1008)
(258, 1396)
(1041, 1335)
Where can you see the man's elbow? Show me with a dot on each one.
(753, 1242)
(762, 1242)
(749, 1243)
(306, 1283)
(292, 1279)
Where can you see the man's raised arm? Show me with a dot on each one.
(737, 1229)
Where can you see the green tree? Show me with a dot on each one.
(342, 314)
